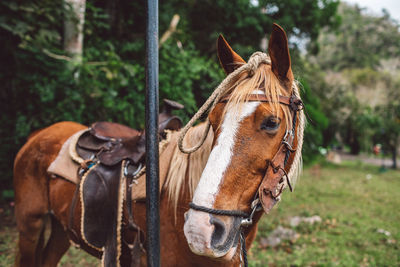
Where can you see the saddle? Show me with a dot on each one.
(113, 142)
(113, 155)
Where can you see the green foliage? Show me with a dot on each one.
(361, 41)
(313, 138)
(187, 76)
(388, 124)
(352, 121)
(33, 23)
(358, 127)
(42, 85)
(360, 61)
(366, 77)
(244, 23)
(313, 90)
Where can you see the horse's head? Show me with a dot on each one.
(249, 159)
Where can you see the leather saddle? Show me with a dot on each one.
(112, 142)
(106, 147)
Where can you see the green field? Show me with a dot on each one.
(352, 208)
(353, 201)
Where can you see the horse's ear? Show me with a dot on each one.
(278, 50)
(227, 57)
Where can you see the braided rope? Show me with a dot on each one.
(236, 213)
(255, 60)
(243, 248)
(296, 167)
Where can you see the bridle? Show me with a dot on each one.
(266, 195)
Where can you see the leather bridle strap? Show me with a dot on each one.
(293, 102)
(269, 191)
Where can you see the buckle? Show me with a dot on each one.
(133, 174)
(295, 104)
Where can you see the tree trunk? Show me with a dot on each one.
(394, 157)
(73, 29)
(354, 146)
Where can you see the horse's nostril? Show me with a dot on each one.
(219, 231)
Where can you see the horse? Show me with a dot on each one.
(213, 194)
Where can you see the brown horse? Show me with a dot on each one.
(244, 158)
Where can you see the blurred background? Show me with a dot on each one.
(84, 61)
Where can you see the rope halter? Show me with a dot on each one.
(250, 67)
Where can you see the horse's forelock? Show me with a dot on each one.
(262, 79)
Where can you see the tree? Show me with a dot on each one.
(38, 85)
(360, 61)
(388, 126)
(361, 41)
(73, 28)
(313, 137)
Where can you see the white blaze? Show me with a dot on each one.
(198, 229)
(220, 156)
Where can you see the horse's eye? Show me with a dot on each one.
(270, 124)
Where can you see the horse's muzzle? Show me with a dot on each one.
(212, 236)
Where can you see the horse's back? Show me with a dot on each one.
(33, 159)
(46, 143)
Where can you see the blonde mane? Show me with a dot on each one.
(190, 165)
(241, 86)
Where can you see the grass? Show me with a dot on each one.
(352, 209)
(8, 242)
(351, 206)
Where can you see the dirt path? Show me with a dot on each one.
(377, 161)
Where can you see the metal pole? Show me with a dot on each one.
(152, 161)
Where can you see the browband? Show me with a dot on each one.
(293, 102)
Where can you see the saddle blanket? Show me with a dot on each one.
(63, 166)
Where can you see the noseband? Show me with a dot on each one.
(266, 195)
